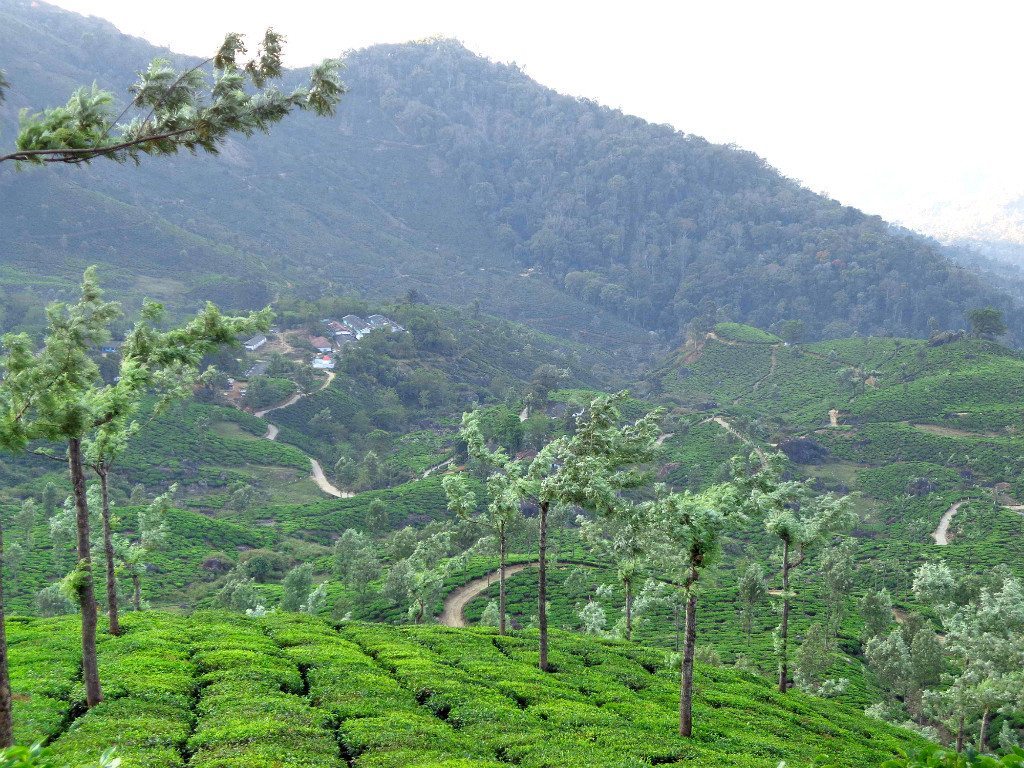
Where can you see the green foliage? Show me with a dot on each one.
(174, 110)
(745, 333)
(936, 757)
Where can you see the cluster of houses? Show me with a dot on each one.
(348, 330)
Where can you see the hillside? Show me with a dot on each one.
(217, 689)
(461, 178)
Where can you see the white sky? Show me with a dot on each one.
(894, 106)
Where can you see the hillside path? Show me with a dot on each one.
(453, 614)
(720, 421)
(324, 484)
(941, 533)
(316, 471)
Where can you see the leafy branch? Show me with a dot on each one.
(194, 109)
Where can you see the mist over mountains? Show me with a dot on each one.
(461, 178)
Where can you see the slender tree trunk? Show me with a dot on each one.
(86, 596)
(542, 587)
(686, 672)
(981, 732)
(136, 592)
(960, 734)
(108, 554)
(628, 585)
(6, 721)
(784, 626)
(501, 581)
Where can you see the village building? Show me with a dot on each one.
(357, 325)
(255, 342)
(321, 344)
(323, 363)
(258, 369)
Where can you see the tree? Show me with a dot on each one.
(297, 585)
(799, 519)
(588, 469)
(876, 612)
(984, 647)
(691, 528)
(419, 579)
(987, 323)
(837, 571)
(813, 659)
(753, 590)
(170, 111)
(498, 518)
(55, 395)
(152, 532)
(792, 331)
(6, 719)
(377, 518)
(625, 540)
(25, 521)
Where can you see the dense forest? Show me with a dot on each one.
(552, 210)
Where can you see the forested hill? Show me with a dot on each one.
(462, 178)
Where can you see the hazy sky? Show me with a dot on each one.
(894, 107)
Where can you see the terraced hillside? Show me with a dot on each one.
(218, 689)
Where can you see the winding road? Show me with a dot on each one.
(316, 471)
(941, 533)
(454, 611)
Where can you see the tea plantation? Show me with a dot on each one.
(219, 689)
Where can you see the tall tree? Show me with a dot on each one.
(499, 517)
(624, 540)
(691, 528)
(169, 111)
(55, 395)
(588, 469)
(753, 590)
(799, 519)
(837, 571)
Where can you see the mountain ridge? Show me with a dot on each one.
(464, 178)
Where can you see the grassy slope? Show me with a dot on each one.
(221, 690)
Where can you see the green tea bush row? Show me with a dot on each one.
(44, 658)
(252, 710)
(149, 686)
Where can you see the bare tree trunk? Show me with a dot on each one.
(960, 734)
(686, 672)
(6, 721)
(628, 584)
(981, 732)
(542, 587)
(86, 596)
(501, 581)
(784, 626)
(108, 554)
(136, 592)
